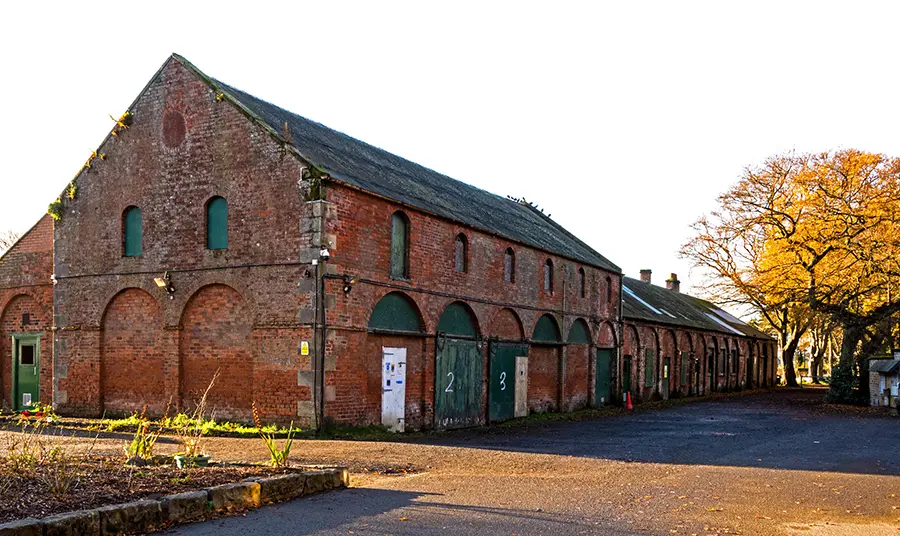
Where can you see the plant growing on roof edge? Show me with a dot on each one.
(315, 176)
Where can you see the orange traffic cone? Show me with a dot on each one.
(628, 401)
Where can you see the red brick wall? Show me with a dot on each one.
(215, 337)
(578, 365)
(673, 342)
(134, 364)
(543, 378)
(25, 287)
(358, 230)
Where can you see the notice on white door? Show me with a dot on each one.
(393, 388)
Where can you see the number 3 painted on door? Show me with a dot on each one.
(503, 381)
(449, 388)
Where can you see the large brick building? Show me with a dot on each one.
(324, 278)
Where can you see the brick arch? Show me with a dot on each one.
(197, 282)
(685, 342)
(506, 324)
(132, 354)
(11, 324)
(606, 335)
(217, 325)
(631, 340)
(97, 315)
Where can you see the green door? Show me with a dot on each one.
(626, 377)
(502, 386)
(26, 372)
(603, 382)
(667, 367)
(457, 385)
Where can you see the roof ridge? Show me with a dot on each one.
(567, 233)
(360, 165)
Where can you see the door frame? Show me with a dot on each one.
(17, 339)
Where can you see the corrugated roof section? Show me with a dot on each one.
(646, 302)
(377, 171)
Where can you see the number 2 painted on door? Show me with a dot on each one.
(449, 388)
(503, 381)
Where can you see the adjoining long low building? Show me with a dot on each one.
(678, 345)
(324, 278)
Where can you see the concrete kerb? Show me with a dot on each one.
(138, 516)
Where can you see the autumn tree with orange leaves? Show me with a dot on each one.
(810, 234)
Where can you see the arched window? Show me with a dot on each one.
(399, 246)
(217, 223)
(509, 266)
(462, 253)
(548, 275)
(132, 232)
(581, 282)
(608, 289)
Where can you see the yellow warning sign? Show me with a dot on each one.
(304, 348)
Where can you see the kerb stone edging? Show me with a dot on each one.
(138, 516)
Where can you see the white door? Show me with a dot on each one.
(521, 392)
(393, 388)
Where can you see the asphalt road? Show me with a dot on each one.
(774, 463)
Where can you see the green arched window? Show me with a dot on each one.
(132, 232)
(217, 223)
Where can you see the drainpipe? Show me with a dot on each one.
(620, 323)
(561, 388)
(321, 324)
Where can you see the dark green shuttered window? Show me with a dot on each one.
(457, 319)
(546, 330)
(579, 333)
(217, 223)
(399, 246)
(132, 232)
(684, 367)
(396, 312)
(649, 365)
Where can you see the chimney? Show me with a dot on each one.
(673, 284)
(645, 275)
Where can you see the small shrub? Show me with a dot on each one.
(141, 445)
(278, 457)
(191, 429)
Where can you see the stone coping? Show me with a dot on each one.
(149, 515)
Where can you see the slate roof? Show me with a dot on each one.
(650, 303)
(884, 366)
(368, 168)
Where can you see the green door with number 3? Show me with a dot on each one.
(502, 386)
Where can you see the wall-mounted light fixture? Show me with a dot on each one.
(165, 283)
(349, 281)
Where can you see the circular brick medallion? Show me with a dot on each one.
(173, 129)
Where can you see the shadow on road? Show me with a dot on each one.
(379, 511)
(786, 429)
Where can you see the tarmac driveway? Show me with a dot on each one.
(770, 463)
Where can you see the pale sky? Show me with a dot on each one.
(624, 120)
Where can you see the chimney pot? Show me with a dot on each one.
(645, 275)
(673, 284)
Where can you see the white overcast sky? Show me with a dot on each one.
(624, 120)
